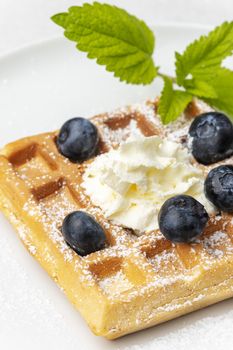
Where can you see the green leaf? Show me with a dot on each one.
(116, 39)
(223, 85)
(200, 88)
(204, 55)
(172, 102)
(61, 19)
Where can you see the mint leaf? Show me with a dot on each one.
(118, 40)
(172, 102)
(61, 19)
(200, 88)
(204, 55)
(223, 85)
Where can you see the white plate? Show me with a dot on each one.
(40, 87)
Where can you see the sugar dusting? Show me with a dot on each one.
(116, 284)
(208, 329)
(52, 218)
(51, 212)
(112, 138)
(26, 304)
(212, 243)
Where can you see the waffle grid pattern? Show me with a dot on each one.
(50, 189)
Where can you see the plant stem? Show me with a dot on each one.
(161, 75)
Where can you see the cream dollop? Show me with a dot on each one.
(131, 183)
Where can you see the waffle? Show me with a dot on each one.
(135, 282)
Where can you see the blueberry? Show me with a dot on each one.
(219, 187)
(212, 135)
(82, 233)
(78, 139)
(182, 218)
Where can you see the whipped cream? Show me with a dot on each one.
(131, 183)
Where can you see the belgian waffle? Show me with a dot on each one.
(135, 282)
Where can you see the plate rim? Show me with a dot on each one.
(39, 44)
(21, 49)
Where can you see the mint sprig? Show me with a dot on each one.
(125, 45)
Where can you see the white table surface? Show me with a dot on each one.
(25, 21)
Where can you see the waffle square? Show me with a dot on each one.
(136, 282)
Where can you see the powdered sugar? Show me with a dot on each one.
(213, 244)
(176, 306)
(114, 137)
(116, 284)
(160, 271)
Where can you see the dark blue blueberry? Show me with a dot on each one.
(82, 233)
(78, 139)
(212, 135)
(219, 187)
(182, 218)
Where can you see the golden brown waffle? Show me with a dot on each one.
(136, 282)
